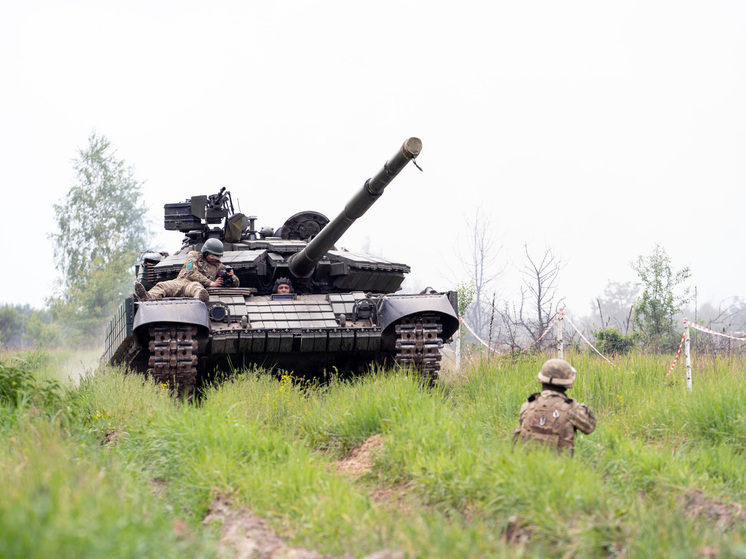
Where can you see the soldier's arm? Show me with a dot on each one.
(583, 418)
(236, 282)
(522, 414)
(517, 431)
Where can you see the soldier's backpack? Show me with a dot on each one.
(545, 422)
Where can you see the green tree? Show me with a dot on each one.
(41, 331)
(102, 227)
(658, 304)
(466, 292)
(12, 326)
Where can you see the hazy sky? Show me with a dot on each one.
(595, 128)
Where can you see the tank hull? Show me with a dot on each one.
(181, 341)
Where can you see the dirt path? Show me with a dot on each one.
(244, 535)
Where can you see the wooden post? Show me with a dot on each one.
(687, 354)
(560, 346)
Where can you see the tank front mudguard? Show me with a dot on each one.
(177, 311)
(395, 307)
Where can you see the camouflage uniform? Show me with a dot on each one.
(550, 418)
(196, 274)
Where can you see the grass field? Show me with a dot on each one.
(109, 466)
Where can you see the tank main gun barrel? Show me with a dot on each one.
(303, 263)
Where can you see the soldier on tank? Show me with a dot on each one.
(550, 418)
(201, 270)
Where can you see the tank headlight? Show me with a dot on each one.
(219, 313)
(365, 309)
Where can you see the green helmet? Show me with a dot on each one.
(213, 246)
(557, 372)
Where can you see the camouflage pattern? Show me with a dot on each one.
(177, 288)
(550, 418)
(196, 274)
(197, 268)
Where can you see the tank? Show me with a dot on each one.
(344, 315)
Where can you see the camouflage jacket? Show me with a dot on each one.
(197, 268)
(552, 417)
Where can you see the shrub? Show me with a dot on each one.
(20, 387)
(612, 341)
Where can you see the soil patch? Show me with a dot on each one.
(724, 516)
(244, 535)
(392, 497)
(516, 533)
(360, 459)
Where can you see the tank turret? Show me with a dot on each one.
(303, 263)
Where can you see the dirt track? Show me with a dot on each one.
(244, 535)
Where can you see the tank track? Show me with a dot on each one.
(172, 359)
(418, 345)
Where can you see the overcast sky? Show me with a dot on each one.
(595, 128)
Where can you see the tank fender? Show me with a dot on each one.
(395, 307)
(179, 311)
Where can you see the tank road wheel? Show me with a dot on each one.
(172, 360)
(418, 345)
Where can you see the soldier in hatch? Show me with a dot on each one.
(201, 270)
(282, 286)
(550, 418)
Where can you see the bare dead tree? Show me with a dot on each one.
(482, 263)
(539, 290)
(492, 321)
(510, 319)
(618, 301)
(601, 314)
(729, 317)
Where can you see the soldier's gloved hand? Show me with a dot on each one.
(217, 283)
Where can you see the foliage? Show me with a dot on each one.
(20, 387)
(41, 331)
(65, 500)
(612, 341)
(662, 475)
(466, 294)
(101, 229)
(656, 307)
(21, 326)
(11, 325)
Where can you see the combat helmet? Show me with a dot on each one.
(282, 281)
(214, 247)
(557, 372)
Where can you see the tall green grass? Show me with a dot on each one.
(64, 494)
(455, 484)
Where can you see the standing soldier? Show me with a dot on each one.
(200, 270)
(550, 418)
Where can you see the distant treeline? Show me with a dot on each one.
(22, 326)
